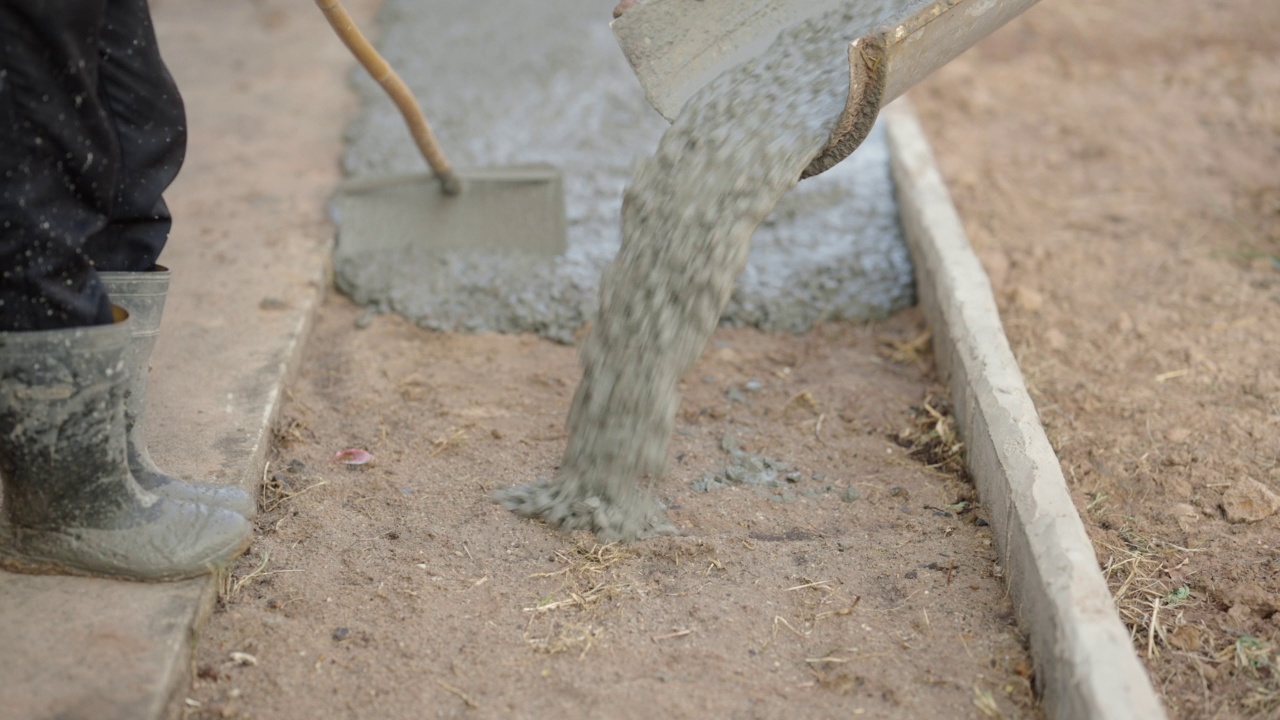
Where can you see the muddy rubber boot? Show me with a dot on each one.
(142, 294)
(70, 504)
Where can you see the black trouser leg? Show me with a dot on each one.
(91, 133)
(151, 131)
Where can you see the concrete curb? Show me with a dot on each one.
(1085, 665)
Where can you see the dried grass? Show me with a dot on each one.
(1141, 587)
(565, 621)
(932, 438)
(917, 351)
(230, 584)
(1155, 607)
(274, 490)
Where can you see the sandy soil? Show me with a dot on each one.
(857, 581)
(1117, 166)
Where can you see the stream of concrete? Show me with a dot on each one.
(688, 215)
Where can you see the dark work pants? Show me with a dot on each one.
(92, 131)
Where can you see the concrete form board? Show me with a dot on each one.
(1085, 665)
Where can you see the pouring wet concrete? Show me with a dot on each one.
(553, 88)
(688, 215)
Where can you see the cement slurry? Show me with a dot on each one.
(513, 83)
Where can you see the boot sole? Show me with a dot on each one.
(14, 561)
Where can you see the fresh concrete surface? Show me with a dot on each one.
(517, 83)
(249, 257)
(1085, 664)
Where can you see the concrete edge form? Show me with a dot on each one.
(274, 379)
(1086, 668)
(180, 671)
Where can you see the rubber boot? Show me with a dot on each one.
(70, 503)
(142, 294)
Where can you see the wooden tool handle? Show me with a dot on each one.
(400, 94)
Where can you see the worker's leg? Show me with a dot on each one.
(58, 157)
(150, 127)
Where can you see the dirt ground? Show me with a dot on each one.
(1117, 167)
(853, 579)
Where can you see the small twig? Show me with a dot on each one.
(807, 585)
(277, 572)
(266, 558)
(1151, 631)
(965, 644)
(668, 636)
(1096, 499)
(930, 409)
(561, 571)
(845, 610)
(285, 498)
(456, 691)
(951, 569)
(779, 619)
(243, 658)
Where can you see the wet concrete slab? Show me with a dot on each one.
(546, 83)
